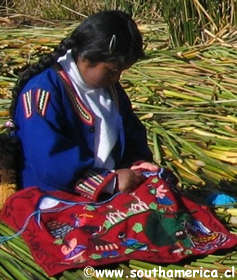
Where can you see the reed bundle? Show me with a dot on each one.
(185, 97)
(193, 21)
(187, 100)
(21, 46)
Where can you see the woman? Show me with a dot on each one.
(79, 135)
(72, 117)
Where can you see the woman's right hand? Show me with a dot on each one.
(128, 180)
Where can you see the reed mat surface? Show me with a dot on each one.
(187, 99)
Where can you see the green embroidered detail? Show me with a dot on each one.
(129, 251)
(114, 218)
(187, 243)
(137, 227)
(153, 206)
(155, 180)
(188, 252)
(107, 224)
(90, 208)
(164, 230)
(153, 191)
(129, 213)
(95, 256)
(58, 241)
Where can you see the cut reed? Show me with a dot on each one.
(197, 21)
(186, 98)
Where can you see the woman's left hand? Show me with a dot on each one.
(128, 180)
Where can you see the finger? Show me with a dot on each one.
(146, 165)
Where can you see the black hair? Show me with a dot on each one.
(108, 36)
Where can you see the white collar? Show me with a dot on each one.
(70, 67)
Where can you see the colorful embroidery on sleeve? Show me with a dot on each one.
(42, 99)
(92, 182)
(27, 103)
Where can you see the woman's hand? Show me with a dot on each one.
(128, 180)
(145, 165)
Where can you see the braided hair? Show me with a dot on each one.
(108, 36)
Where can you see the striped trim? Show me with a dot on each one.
(42, 100)
(27, 103)
(89, 182)
(95, 177)
(107, 247)
(85, 188)
(91, 186)
(84, 114)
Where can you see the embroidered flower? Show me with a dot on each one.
(160, 192)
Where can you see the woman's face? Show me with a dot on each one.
(98, 75)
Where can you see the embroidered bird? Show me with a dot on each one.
(131, 242)
(73, 251)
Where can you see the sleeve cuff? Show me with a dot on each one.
(93, 183)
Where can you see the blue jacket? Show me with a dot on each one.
(57, 137)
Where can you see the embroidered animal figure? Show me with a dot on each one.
(203, 238)
(162, 199)
(115, 217)
(73, 251)
(131, 243)
(164, 230)
(137, 206)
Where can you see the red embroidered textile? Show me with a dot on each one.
(155, 223)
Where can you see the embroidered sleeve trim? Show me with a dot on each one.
(27, 103)
(42, 100)
(92, 184)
